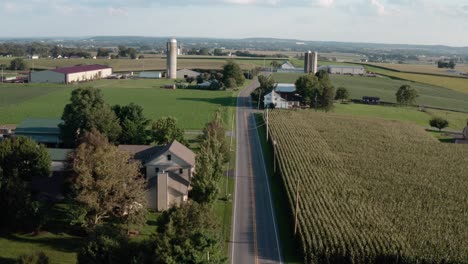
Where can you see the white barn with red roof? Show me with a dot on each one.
(71, 74)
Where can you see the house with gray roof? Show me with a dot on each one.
(168, 171)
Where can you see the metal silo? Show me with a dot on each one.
(171, 59)
(310, 62)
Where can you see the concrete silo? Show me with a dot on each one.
(171, 55)
(310, 62)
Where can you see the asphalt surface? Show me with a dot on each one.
(254, 236)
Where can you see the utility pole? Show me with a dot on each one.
(297, 207)
(274, 156)
(267, 123)
(229, 162)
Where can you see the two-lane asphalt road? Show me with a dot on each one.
(254, 231)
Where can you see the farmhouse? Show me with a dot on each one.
(345, 69)
(168, 171)
(283, 96)
(185, 73)
(42, 130)
(71, 74)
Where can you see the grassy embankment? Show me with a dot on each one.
(289, 247)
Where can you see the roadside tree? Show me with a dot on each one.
(188, 234)
(232, 70)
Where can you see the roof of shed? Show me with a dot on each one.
(39, 125)
(81, 68)
(285, 88)
(59, 154)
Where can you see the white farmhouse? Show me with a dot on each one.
(71, 74)
(275, 99)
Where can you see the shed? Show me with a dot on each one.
(150, 75)
(185, 73)
(71, 74)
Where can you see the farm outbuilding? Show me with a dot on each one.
(71, 74)
(150, 75)
(344, 69)
(184, 73)
(42, 130)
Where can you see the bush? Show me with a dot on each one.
(33, 258)
(230, 83)
(342, 94)
(439, 123)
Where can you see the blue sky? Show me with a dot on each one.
(380, 21)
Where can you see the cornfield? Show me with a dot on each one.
(372, 191)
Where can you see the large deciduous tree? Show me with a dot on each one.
(232, 71)
(165, 130)
(88, 110)
(108, 186)
(342, 94)
(20, 160)
(188, 234)
(307, 86)
(133, 123)
(406, 95)
(439, 123)
(316, 90)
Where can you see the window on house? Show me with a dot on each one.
(169, 157)
(181, 171)
(157, 170)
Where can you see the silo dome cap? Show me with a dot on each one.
(173, 40)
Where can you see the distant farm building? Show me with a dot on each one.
(345, 69)
(42, 130)
(71, 74)
(185, 73)
(150, 75)
(287, 66)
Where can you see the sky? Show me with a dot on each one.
(441, 22)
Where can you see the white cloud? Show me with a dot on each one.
(325, 3)
(379, 7)
(253, 2)
(117, 11)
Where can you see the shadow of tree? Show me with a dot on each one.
(223, 101)
(7, 260)
(64, 244)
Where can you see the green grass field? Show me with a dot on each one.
(386, 88)
(192, 108)
(457, 121)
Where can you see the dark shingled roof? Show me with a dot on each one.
(144, 152)
(81, 68)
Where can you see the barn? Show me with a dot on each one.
(71, 74)
(345, 69)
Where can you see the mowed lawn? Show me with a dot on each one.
(192, 108)
(386, 88)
